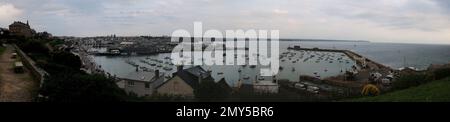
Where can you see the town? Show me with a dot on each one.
(44, 61)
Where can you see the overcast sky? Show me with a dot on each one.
(407, 21)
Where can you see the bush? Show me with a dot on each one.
(208, 90)
(441, 73)
(33, 46)
(410, 80)
(67, 59)
(69, 86)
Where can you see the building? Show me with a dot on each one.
(21, 29)
(3, 32)
(266, 85)
(224, 85)
(184, 81)
(141, 83)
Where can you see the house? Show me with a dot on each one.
(141, 83)
(224, 85)
(21, 29)
(4, 32)
(184, 81)
(266, 85)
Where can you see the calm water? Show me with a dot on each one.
(323, 64)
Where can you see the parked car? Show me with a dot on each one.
(300, 86)
(386, 81)
(313, 89)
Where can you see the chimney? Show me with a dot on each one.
(179, 68)
(157, 73)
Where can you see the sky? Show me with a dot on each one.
(397, 21)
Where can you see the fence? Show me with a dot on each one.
(37, 73)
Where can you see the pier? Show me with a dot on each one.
(366, 68)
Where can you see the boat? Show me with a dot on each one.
(143, 61)
(152, 64)
(220, 73)
(167, 68)
(159, 65)
(131, 63)
(246, 77)
(261, 78)
(252, 66)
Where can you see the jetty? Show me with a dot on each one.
(366, 67)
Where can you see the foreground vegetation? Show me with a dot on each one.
(432, 85)
(434, 91)
(65, 81)
(2, 49)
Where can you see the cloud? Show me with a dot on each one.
(278, 11)
(444, 4)
(383, 20)
(8, 12)
(395, 14)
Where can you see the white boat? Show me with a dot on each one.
(261, 78)
(167, 68)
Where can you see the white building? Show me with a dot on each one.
(266, 86)
(141, 83)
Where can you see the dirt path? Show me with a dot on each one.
(14, 87)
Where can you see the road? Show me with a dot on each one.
(15, 87)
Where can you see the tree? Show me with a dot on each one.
(67, 59)
(76, 87)
(208, 90)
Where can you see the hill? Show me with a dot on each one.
(434, 91)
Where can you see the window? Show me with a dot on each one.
(147, 85)
(130, 83)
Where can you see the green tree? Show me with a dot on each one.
(66, 59)
(68, 86)
(208, 90)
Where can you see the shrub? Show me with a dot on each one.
(67, 59)
(69, 86)
(441, 73)
(410, 80)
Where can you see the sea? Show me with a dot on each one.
(296, 63)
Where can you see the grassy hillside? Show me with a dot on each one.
(2, 49)
(435, 91)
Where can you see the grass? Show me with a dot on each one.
(2, 49)
(434, 91)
